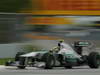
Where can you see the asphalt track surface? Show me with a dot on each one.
(84, 70)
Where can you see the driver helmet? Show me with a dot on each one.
(61, 40)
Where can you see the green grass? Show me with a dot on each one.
(3, 60)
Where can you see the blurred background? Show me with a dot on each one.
(39, 24)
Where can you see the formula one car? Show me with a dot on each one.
(67, 57)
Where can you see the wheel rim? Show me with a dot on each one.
(98, 62)
(52, 63)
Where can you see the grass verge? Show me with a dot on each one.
(3, 60)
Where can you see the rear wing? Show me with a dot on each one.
(82, 43)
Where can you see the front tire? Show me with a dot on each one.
(68, 67)
(21, 63)
(21, 67)
(49, 60)
(94, 60)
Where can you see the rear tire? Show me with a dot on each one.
(94, 60)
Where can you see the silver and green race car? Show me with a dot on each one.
(67, 57)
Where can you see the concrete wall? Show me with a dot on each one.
(7, 50)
